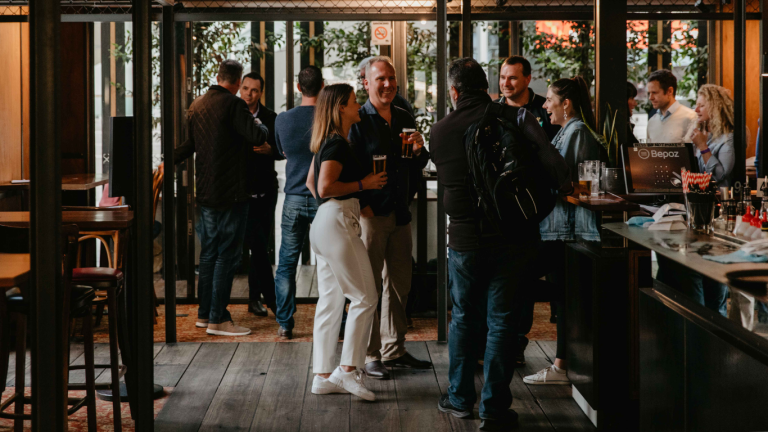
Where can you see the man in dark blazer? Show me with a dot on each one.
(262, 185)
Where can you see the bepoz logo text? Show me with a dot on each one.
(645, 154)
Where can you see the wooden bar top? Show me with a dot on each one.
(85, 220)
(68, 182)
(14, 270)
(686, 247)
(602, 203)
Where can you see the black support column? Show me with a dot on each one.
(442, 91)
(466, 28)
(740, 89)
(289, 69)
(139, 290)
(763, 160)
(611, 62)
(46, 299)
(168, 75)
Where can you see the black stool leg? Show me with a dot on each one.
(21, 356)
(90, 379)
(5, 344)
(114, 360)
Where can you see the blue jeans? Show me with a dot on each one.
(700, 289)
(298, 212)
(221, 233)
(483, 285)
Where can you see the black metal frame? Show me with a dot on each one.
(140, 304)
(49, 344)
(168, 102)
(442, 251)
(763, 161)
(610, 62)
(740, 87)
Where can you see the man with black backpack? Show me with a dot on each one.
(493, 232)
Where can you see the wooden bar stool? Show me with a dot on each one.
(78, 301)
(108, 283)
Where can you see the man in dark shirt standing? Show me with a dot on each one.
(262, 185)
(386, 217)
(222, 133)
(514, 79)
(485, 267)
(293, 130)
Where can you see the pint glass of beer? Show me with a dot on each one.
(379, 163)
(407, 146)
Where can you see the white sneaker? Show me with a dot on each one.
(548, 376)
(227, 329)
(352, 382)
(322, 386)
(201, 323)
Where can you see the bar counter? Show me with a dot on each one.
(646, 357)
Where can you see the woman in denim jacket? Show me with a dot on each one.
(569, 106)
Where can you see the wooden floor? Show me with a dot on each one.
(306, 285)
(266, 387)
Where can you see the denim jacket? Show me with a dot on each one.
(576, 144)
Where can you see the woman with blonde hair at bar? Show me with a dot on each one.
(712, 134)
(337, 181)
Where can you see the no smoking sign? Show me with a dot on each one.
(381, 33)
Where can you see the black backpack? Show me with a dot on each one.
(507, 180)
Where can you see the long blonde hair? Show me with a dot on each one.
(720, 107)
(327, 115)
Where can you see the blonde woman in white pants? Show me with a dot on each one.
(337, 179)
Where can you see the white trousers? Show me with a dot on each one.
(343, 271)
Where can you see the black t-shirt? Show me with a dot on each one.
(336, 148)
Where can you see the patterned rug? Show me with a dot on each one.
(264, 329)
(78, 422)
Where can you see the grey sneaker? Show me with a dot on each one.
(202, 323)
(547, 376)
(227, 329)
(351, 382)
(321, 386)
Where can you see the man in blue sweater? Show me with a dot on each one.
(293, 130)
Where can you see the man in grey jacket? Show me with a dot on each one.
(222, 132)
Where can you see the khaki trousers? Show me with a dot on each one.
(389, 249)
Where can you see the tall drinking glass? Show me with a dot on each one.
(407, 147)
(594, 173)
(379, 163)
(585, 180)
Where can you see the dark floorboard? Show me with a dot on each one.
(196, 389)
(267, 387)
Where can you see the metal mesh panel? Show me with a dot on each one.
(312, 7)
(322, 9)
(545, 7)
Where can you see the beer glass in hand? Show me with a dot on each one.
(407, 146)
(379, 163)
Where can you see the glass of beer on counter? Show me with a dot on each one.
(585, 181)
(379, 163)
(407, 146)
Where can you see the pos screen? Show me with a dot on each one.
(655, 167)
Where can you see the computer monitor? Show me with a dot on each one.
(654, 168)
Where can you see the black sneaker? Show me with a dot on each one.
(520, 354)
(506, 423)
(444, 405)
